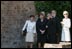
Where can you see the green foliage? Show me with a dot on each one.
(59, 6)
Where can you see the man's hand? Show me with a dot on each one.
(46, 26)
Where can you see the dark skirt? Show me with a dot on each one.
(41, 38)
(53, 39)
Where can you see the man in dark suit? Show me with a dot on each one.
(56, 31)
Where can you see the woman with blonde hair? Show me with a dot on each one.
(41, 30)
(66, 24)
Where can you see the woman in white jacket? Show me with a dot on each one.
(30, 26)
(66, 24)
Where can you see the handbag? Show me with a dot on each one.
(25, 32)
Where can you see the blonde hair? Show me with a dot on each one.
(43, 13)
(65, 12)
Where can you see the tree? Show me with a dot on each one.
(59, 6)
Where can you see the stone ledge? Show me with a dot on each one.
(60, 45)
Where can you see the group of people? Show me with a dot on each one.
(47, 29)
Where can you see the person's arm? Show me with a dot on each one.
(37, 27)
(67, 24)
(24, 26)
(47, 23)
(45, 26)
(58, 26)
(62, 22)
(34, 28)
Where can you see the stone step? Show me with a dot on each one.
(60, 45)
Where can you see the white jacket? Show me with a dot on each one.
(31, 26)
(65, 30)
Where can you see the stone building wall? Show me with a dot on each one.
(13, 17)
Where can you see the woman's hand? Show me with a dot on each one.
(62, 23)
(42, 31)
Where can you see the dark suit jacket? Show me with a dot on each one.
(54, 30)
(41, 26)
